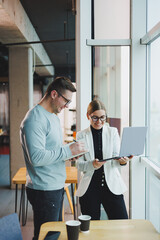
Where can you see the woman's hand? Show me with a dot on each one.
(97, 164)
(124, 160)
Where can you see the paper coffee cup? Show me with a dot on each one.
(73, 227)
(85, 223)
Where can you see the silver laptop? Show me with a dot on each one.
(132, 143)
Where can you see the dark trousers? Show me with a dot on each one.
(91, 201)
(47, 206)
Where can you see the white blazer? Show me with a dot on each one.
(110, 148)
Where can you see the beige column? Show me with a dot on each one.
(21, 99)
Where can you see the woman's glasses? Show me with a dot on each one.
(95, 118)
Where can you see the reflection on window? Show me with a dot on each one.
(154, 141)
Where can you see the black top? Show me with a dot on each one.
(97, 142)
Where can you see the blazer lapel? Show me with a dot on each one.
(89, 140)
(105, 142)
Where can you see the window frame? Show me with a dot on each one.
(146, 40)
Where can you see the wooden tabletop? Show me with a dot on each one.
(108, 230)
(71, 173)
(20, 176)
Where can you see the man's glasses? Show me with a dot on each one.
(95, 118)
(66, 100)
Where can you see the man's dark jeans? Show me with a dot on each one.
(47, 206)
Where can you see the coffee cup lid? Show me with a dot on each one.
(73, 223)
(84, 217)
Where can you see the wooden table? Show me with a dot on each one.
(20, 178)
(107, 230)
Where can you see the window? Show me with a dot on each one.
(153, 199)
(111, 83)
(112, 19)
(154, 106)
(111, 86)
(153, 13)
(153, 116)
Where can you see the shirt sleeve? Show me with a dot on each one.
(33, 139)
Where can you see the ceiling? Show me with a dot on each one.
(54, 23)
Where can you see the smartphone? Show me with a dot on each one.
(52, 235)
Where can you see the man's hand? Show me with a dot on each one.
(77, 147)
(75, 158)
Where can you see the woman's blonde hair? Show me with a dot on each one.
(94, 106)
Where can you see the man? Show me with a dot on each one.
(44, 153)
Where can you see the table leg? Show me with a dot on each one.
(74, 210)
(16, 192)
(26, 211)
(22, 205)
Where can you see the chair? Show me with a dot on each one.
(10, 228)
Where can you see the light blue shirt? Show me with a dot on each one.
(44, 153)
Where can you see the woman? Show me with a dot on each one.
(101, 182)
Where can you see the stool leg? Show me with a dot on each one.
(75, 189)
(69, 199)
(74, 209)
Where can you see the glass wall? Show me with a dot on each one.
(154, 102)
(111, 83)
(153, 200)
(111, 86)
(153, 116)
(153, 16)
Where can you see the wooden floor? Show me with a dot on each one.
(7, 206)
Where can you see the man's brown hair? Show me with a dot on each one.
(60, 84)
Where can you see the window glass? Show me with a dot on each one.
(112, 19)
(111, 82)
(153, 13)
(154, 111)
(153, 200)
(111, 86)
